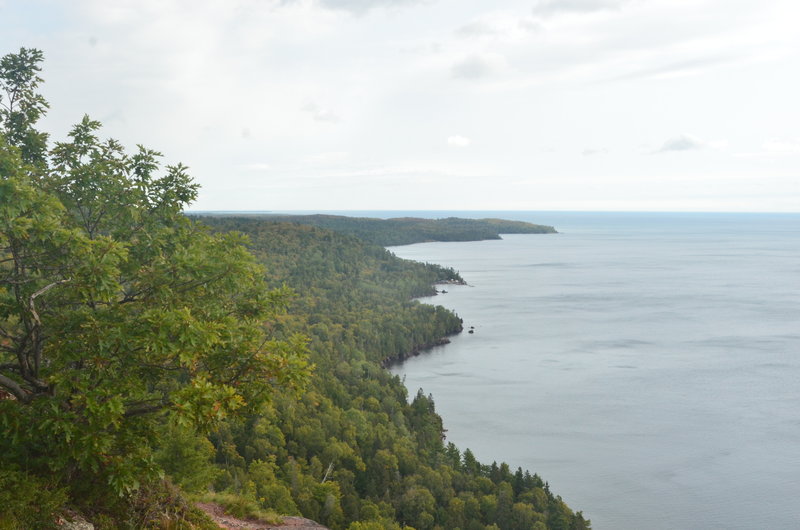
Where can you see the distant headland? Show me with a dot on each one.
(403, 230)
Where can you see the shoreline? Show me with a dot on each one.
(398, 359)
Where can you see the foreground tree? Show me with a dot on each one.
(21, 106)
(115, 309)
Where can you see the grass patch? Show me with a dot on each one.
(241, 507)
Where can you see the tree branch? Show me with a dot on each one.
(13, 387)
(144, 409)
(37, 341)
(41, 292)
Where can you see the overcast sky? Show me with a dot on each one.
(677, 105)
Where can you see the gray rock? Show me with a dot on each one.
(76, 522)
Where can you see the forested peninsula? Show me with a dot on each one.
(406, 230)
(150, 361)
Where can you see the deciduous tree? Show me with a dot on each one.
(114, 307)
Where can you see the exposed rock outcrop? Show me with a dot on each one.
(74, 521)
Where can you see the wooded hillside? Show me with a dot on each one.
(408, 230)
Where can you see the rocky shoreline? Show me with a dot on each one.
(399, 358)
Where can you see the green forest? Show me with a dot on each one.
(407, 230)
(149, 360)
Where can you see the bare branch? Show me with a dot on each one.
(328, 472)
(41, 292)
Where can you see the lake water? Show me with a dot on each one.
(646, 365)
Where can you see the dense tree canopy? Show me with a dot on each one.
(115, 307)
(21, 106)
(407, 230)
(355, 426)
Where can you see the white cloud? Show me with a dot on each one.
(257, 166)
(333, 157)
(500, 26)
(362, 6)
(553, 7)
(683, 142)
(458, 141)
(478, 66)
(695, 65)
(687, 142)
(782, 145)
(477, 28)
(321, 114)
(718, 145)
(530, 25)
(592, 152)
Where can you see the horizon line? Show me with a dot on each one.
(280, 212)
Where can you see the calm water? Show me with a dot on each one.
(646, 365)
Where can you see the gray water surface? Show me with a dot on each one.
(645, 365)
